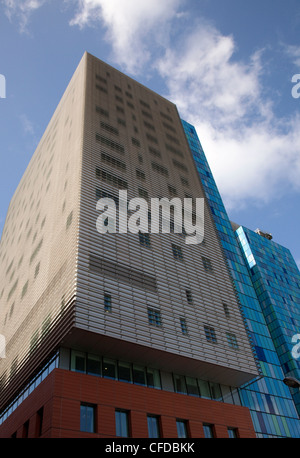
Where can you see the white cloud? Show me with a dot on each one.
(27, 125)
(253, 155)
(133, 27)
(22, 9)
(294, 53)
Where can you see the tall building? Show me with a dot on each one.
(116, 334)
(266, 279)
(276, 280)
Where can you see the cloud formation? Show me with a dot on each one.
(22, 9)
(133, 27)
(254, 154)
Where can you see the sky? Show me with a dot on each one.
(229, 65)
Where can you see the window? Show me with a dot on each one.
(113, 162)
(210, 334)
(87, 418)
(154, 317)
(172, 190)
(207, 264)
(110, 143)
(231, 339)
(143, 193)
(159, 168)
(111, 179)
(39, 422)
(93, 365)
(144, 239)
(153, 426)
(109, 368)
(107, 302)
(140, 175)
(109, 128)
(189, 296)
(208, 431)
(25, 430)
(226, 309)
(122, 423)
(183, 326)
(124, 372)
(181, 428)
(184, 181)
(135, 141)
(177, 252)
(232, 432)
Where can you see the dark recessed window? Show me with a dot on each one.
(153, 426)
(208, 431)
(154, 317)
(107, 302)
(177, 252)
(210, 334)
(182, 430)
(122, 423)
(183, 326)
(144, 239)
(87, 418)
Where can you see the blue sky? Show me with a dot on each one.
(227, 64)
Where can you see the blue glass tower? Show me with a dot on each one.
(276, 280)
(270, 401)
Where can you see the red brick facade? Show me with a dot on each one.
(52, 410)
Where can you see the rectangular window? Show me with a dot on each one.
(87, 418)
(154, 317)
(109, 368)
(232, 341)
(144, 239)
(135, 142)
(140, 175)
(78, 361)
(124, 372)
(39, 422)
(111, 179)
(113, 162)
(177, 252)
(189, 296)
(180, 384)
(153, 426)
(182, 430)
(232, 433)
(160, 169)
(183, 326)
(102, 111)
(110, 143)
(207, 264)
(109, 128)
(210, 334)
(143, 193)
(153, 378)
(154, 151)
(208, 431)
(226, 309)
(172, 191)
(107, 302)
(122, 423)
(93, 365)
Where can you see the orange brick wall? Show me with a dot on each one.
(62, 392)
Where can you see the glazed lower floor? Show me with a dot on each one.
(69, 404)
